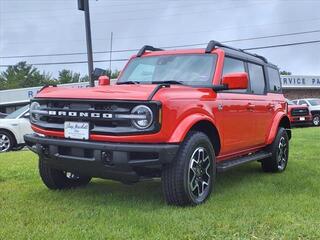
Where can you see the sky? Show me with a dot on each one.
(32, 27)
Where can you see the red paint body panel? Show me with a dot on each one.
(245, 122)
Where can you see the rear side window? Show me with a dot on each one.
(232, 65)
(274, 80)
(257, 80)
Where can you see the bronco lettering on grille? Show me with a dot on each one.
(80, 114)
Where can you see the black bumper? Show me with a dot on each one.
(119, 161)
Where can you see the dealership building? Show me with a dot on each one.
(294, 87)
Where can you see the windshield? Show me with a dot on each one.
(189, 69)
(314, 102)
(290, 102)
(17, 113)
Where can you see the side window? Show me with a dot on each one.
(257, 80)
(274, 80)
(232, 65)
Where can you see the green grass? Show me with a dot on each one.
(247, 203)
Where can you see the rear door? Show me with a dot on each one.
(263, 107)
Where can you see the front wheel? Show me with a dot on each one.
(316, 120)
(280, 153)
(189, 179)
(6, 141)
(58, 179)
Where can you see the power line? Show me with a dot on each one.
(178, 46)
(122, 60)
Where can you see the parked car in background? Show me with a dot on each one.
(12, 129)
(314, 108)
(299, 114)
(2, 115)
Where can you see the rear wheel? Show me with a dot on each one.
(58, 179)
(189, 179)
(280, 153)
(316, 120)
(6, 141)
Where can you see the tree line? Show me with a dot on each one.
(22, 75)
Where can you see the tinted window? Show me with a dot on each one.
(232, 65)
(256, 78)
(274, 80)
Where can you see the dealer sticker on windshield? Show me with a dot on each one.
(76, 130)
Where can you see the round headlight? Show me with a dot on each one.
(34, 106)
(144, 117)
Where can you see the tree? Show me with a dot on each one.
(112, 74)
(284, 72)
(67, 76)
(22, 75)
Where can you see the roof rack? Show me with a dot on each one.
(147, 48)
(213, 44)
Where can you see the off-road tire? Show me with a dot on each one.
(56, 179)
(176, 185)
(273, 164)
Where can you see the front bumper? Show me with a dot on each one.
(118, 161)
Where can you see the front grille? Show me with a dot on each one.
(300, 112)
(109, 112)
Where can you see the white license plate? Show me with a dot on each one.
(76, 130)
(302, 118)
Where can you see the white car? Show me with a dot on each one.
(12, 129)
(314, 107)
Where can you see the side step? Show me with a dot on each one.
(228, 164)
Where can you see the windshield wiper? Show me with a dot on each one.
(128, 82)
(169, 82)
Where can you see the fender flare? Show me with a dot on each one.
(280, 116)
(186, 124)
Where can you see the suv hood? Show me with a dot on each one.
(314, 108)
(4, 121)
(112, 92)
(297, 106)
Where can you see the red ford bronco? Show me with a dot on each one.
(182, 115)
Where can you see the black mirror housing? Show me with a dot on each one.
(98, 72)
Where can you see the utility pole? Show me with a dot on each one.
(111, 40)
(83, 5)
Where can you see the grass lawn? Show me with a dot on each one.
(247, 203)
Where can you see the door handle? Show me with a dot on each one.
(250, 106)
(271, 106)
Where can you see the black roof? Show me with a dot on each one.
(237, 52)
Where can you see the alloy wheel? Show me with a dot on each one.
(199, 178)
(316, 120)
(5, 143)
(282, 156)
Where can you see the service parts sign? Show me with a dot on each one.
(300, 81)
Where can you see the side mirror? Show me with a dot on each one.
(235, 80)
(98, 72)
(104, 80)
(27, 115)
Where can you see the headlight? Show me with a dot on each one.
(34, 108)
(143, 117)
